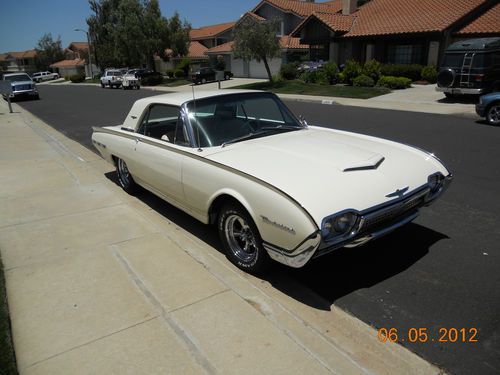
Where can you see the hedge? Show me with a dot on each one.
(289, 71)
(411, 71)
(363, 81)
(429, 73)
(394, 82)
(77, 78)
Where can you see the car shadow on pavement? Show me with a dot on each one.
(324, 280)
(346, 270)
(462, 99)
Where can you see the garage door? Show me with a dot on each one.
(237, 67)
(258, 69)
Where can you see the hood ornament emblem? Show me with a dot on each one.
(398, 192)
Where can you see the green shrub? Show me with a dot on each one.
(289, 71)
(331, 69)
(411, 71)
(371, 69)
(363, 81)
(351, 70)
(179, 73)
(429, 73)
(314, 76)
(183, 65)
(170, 73)
(77, 78)
(66, 78)
(394, 82)
(152, 80)
(340, 77)
(220, 63)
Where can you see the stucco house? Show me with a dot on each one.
(22, 61)
(396, 31)
(390, 31)
(75, 60)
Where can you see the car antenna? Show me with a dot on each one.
(197, 125)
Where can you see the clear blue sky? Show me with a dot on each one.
(23, 22)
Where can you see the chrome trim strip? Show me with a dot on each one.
(297, 257)
(167, 146)
(459, 90)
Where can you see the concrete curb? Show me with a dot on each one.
(99, 282)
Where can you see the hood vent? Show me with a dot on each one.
(366, 165)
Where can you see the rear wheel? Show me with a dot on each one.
(125, 178)
(241, 239)
(203, 80)
(102, 85)
(493, 114)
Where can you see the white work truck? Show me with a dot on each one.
(44, 76)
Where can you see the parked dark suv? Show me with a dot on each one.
(208, 74)
(470, 67)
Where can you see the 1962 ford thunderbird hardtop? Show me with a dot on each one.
(274, 187)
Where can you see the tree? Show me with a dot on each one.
(179, 35)
(48, 51)
(131, 32)
(257, 40)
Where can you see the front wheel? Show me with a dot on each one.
(493, 114)
(125, 178)
(241, 240)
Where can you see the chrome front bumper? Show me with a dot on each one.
(460, 90)
(374, 223)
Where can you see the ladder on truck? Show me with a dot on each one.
(465, 71)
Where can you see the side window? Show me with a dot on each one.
(160, 122)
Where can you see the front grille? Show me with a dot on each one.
(22, 87)
(386, 216)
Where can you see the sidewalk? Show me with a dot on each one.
(98, 282)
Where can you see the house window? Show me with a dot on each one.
(319, 52)
(404, 54)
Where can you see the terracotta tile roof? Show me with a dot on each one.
(23, 54)
(289, 42)
(222, 48)
(78, 46)
(210, 31)
(303, 8)
(197, 50)
(68, 63)
(251, 14)
(385, 17)
(335, 21)
(286, 42)
(488, 23)
(3, 56)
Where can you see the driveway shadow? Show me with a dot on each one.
(324, 280)
(462, 99)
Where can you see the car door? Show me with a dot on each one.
(160, 141)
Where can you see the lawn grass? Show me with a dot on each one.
(302, 88)
(7, 358)
(173, 82)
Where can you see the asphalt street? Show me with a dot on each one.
(440, 273)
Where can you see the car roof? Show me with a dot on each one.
(15, 74)
(475, 45)
(180, 98)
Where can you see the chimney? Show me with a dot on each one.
(349, 6)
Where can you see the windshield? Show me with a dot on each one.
(225, 119)
(18, 77)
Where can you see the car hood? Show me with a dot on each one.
(327, 171)
(21, 83)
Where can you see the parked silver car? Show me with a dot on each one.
(22, 85)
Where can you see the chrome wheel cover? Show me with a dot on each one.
(123, 172)
(494, 115)
(240, 238)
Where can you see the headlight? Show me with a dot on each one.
(435, 183)
(339, 225)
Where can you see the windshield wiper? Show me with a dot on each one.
(282, 127)
(245, 137)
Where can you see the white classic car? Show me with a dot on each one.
(274, 187)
